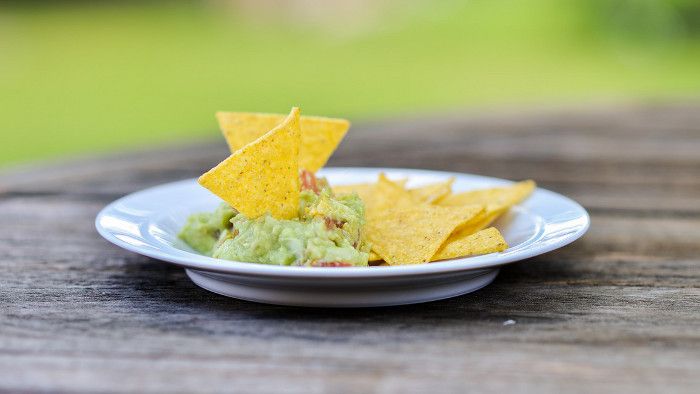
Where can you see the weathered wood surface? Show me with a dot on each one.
(619, 310)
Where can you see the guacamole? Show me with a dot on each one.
(328, 232)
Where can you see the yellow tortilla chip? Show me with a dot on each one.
(433, 192)
(374, 257)
(484, 219)
(387, 194)
(263, 176)
(413, 234)
(506, 196)
(482, 242)
(319, 136)
(377, 197)
(383, 194)
(362, 189)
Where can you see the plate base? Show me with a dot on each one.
(342, 295)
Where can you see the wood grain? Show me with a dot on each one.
(619, 310)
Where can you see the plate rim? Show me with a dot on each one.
(205, 263)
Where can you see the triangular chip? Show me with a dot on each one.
(319, 136)
(484, 219)
(379, 196)
(413, 234)
(262, 176)
(507, 196)
(432, 192)
(387, 194)
(383, 194)
(482, 242)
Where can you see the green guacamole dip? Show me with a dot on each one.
(327, 233)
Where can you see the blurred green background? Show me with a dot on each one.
(79, 77)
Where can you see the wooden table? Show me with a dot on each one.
(618, 310)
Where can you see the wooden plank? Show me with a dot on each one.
(616, 311)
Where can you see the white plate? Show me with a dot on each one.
(147, 222)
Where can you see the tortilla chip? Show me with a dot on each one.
(387, 194)
(362, 189)
(263, 176)
(433, 192)
(374, 257)
(377, 197)
(413, 234)
(319, 136)
(506, 196)
(484, 219)
(482, 242)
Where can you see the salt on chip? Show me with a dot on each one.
(432, 192)
(506, 196)
(262, 176)
(482, 242)
(413, 234)
(319, 136)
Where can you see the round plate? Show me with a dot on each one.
(147, 222)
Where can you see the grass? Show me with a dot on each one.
(94, 78)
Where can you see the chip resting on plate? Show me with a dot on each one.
(262, 176)
(497, 201)
(433, 192)
(387, 194)
(319, 136)
(413, 234)
(484, 219)
(506, 196)
(481, 242)
(364, 190)
(381, 195)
